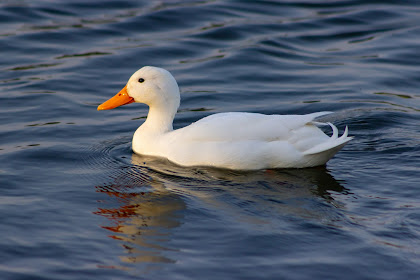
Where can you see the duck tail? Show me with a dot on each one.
(333, 144)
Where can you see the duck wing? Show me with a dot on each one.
(253, 141)
(238, 126)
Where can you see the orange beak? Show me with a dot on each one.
(119, 99)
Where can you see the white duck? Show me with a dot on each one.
(243, 141)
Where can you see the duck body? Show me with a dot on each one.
(241, 141)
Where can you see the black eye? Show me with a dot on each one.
(141, 80)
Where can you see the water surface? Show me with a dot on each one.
(76, 203)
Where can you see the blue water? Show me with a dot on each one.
(76, 203)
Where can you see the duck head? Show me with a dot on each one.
(153, 86)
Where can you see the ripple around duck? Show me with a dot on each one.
(152, 192)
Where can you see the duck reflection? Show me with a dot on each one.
(150, 201)
(251, 195)
(143, 216)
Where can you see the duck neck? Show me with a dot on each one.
(159, 120)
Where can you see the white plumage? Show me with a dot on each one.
(245, 141)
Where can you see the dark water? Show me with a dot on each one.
(76, 203)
